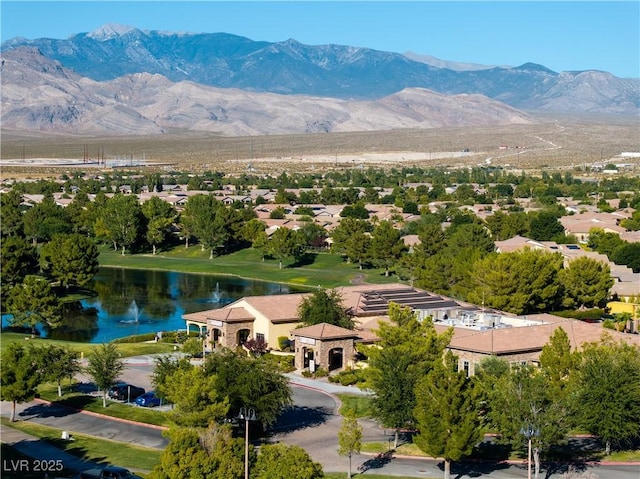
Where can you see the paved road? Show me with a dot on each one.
(313, 424)
(70, 420)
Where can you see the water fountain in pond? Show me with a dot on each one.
(215, 296)
(133, 313)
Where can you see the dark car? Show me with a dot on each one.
(148, 399)
(109, 472)
(125, 392)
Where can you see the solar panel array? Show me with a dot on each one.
(377, 302)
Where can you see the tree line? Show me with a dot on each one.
(206, 403)
(500, 183)
(47, 249)
(418, 387)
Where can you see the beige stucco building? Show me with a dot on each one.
(477, 332)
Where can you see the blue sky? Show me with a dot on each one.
(573, 35)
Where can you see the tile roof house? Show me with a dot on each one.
(626, 283)
(580, 225)
(410, 241)
(630, 236)
(478, 332)
(265, 317)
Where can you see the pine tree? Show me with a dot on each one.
(408, 350)
(447, 413)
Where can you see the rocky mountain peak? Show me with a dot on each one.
(109, 31)
(330, 71)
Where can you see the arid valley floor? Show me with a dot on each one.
(552, 144)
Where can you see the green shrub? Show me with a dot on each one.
(349, 377)
(283, 343)
(593, 314)
(177, 337)
(139, 338)
(192, 347)
(321, 373)
(283, 363)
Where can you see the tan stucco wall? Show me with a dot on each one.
(474, 358)
(277, 330)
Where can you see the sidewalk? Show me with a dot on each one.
(323, 384)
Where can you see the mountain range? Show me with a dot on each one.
(118, 79)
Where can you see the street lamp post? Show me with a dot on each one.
(529, 431)
(246, 414)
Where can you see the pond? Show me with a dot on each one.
(130, 301)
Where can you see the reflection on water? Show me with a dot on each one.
(130, 301)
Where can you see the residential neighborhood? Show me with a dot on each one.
(419, 286)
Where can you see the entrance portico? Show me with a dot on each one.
(324, 345)
(228, 328)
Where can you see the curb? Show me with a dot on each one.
(326, 393)
(95, 414)
(512, 461)
(338, 406)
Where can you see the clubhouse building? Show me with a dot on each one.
(478, 332)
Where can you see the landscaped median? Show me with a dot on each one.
(411, 450)
(115, 409)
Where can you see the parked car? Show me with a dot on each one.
(148, 399)
(109, 472)
(125, 392)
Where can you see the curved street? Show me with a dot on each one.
(312, 423)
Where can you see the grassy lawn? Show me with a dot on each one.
(408, 449)
(359, 406)
(623, 456)
(126, 349)
(324, 269)
(92, 448)
(76, 400)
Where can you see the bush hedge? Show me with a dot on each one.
(590, 314)
(178, 337)
(349, 377)
(284, 363)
